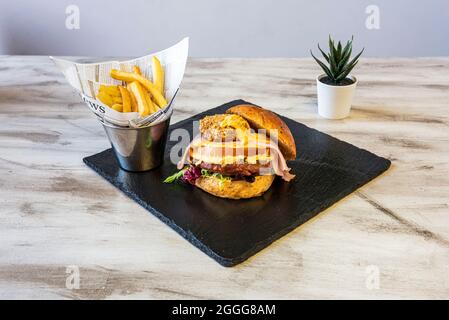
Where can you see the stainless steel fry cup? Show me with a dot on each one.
(138, 149)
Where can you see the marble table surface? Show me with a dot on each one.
(59, 219)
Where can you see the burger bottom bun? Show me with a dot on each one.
(237, 189)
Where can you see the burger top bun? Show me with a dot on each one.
(222, 126)
(259, 118)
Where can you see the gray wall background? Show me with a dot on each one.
(228, 28)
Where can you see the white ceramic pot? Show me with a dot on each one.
(334, 102)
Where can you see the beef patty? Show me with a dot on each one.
(243, 169)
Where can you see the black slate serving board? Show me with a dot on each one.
(231, 231)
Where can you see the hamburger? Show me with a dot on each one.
(237, 155)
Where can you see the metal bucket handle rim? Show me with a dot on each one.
(110, 125)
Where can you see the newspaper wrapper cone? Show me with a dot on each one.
(86, 79)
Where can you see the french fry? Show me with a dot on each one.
(147, 84)
(105, 98)
(134, 107)
(110, 90)
(155, 103)
(158, 74)
(117, 100)
(136, 70)
(151, 105)
(139, 93)
(117, 107)
(126, 99)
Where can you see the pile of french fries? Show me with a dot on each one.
(138, 94)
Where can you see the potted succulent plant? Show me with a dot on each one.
(336, 86)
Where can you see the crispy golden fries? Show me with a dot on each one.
(134, 107)
(153, 107)
(117, 107)
(139, 93)
(126, 99)
(136, 70)
(158, 75)
(109, 95)
(117, 100)
(105, 98)
(110, 90)
(147, 84)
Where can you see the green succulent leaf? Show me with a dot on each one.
(356, 57)
(346, 54)
(323, 53)
(332, 50)
(333, 66)
(339, 64)
(345, 72)
(322, 65)
(339, 48)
